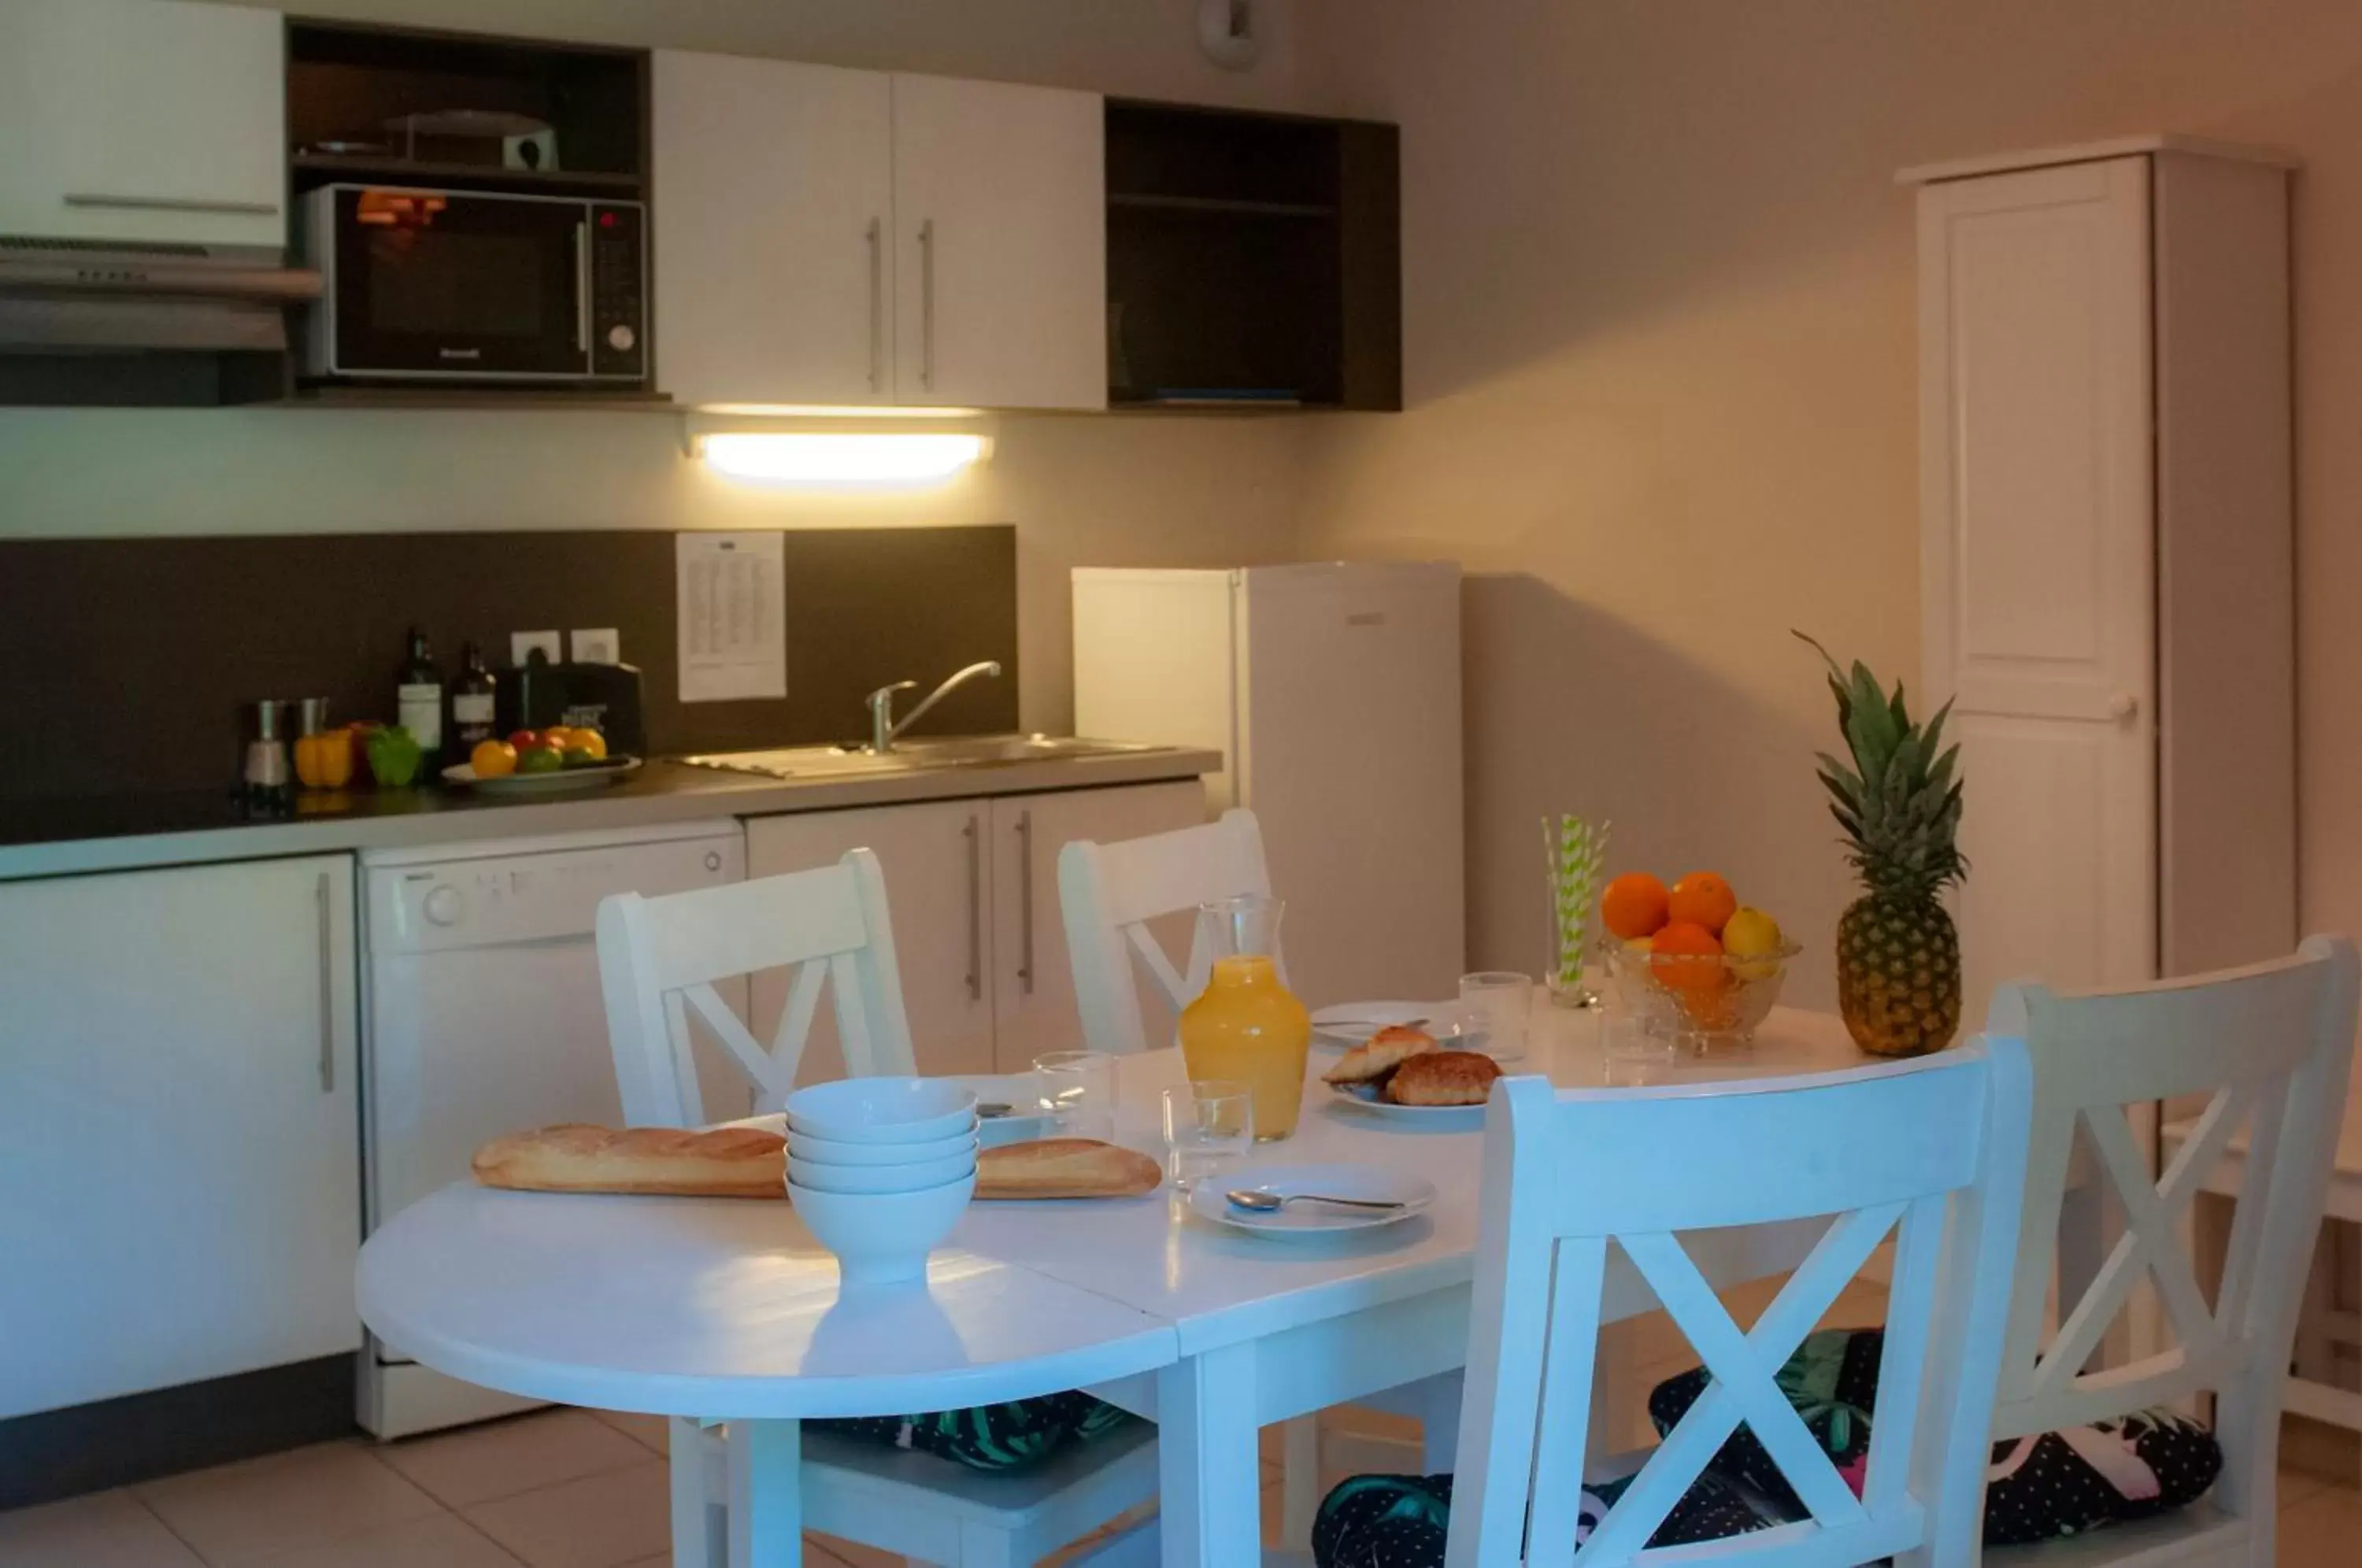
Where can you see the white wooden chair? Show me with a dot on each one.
(2272, 1047)
(657, 961)
(1108, 895)
(1932, 1152)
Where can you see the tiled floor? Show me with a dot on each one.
(563, 1489)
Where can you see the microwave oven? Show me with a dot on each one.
(471, 286)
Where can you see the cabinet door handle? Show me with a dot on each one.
(320, 890)
(927, 304)
(169, 204)
(583, 290)
(1025, 900)
(975, 910)
(876, 305)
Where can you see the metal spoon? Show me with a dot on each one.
(1273, 1202)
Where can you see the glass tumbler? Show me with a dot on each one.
(1209, 1128)
(1497, 1003)
(1075, 1089)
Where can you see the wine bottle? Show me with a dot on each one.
(471, 704)
(418, 696)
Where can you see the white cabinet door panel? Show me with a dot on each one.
(774, 266)
(2039, 552)
(1033, 980)
(179, 1137)
(937, 873)
(1000, 219)
(143, 121)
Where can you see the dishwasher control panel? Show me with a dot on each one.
(495, 900)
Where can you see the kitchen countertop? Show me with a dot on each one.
(45, 838)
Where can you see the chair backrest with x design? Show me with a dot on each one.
(1932, 1152)
(659, 959)
(1108, 894)
(2272, 1046)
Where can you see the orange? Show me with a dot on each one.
(1701, 898)
(1688, 959)
(494, 760)
(1634, 905)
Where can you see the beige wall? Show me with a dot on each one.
(1662, 357)
(1113, 491)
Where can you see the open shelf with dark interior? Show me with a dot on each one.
(346, 84)
(1251, 258)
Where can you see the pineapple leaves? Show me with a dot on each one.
(1899, 803)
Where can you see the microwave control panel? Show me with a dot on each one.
(619, 304)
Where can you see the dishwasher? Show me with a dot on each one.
(481, 1014)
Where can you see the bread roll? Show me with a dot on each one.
(1064, 1167)
(1444, 1078)
(747, 1162)
(1379, 1054)
(728, 1162)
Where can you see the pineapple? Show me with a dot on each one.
(1898, 956)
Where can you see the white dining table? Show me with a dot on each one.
(727, 1310)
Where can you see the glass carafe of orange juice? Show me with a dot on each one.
(1245, 1025)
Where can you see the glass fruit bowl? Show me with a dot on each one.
(1702, 1003)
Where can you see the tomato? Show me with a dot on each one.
(524, 740)
(587, 740)
(557, 738)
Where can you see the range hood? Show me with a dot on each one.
(71, 296)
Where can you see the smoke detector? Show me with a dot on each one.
(1228, 32)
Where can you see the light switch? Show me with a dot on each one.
(596, 644)
(521, 645)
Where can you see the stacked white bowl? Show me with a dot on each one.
(881, 1170)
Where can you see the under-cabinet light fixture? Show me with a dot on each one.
(849, 460)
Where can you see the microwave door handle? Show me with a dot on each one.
(582, 289)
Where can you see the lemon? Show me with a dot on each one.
(1751, 933)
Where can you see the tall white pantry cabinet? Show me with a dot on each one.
(2107, 554)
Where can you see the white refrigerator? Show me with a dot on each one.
(1332, 691)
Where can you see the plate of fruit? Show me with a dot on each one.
(1691, 963)
(554, 761)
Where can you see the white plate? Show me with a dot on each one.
(1413, 1193)
(1364, 1097)
(563, 781)
(1358, 1020)
(1024, 1122)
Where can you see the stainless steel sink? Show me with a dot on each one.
(914, 756)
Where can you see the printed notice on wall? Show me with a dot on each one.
(733, 634)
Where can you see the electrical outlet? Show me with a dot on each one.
(596, 644)
(523, 643)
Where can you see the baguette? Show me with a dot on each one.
(747, 1162)
(1064, 1167)
(728, 1162)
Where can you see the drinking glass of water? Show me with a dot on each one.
(1077, 1091)
(1209, 1128)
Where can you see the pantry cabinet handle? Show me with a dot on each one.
(927, 304)
(974, 910)
(1025, 900)
(876, 305)
(320, 890)
(583, 288)
(169, 204)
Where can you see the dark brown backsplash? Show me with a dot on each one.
(128, 659)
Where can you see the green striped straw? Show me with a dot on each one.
(1575, 853)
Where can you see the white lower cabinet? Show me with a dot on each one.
(978, 934)
(179, 1160)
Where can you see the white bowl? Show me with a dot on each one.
(834, 1151)
(882, 1237)
(881, 1179)
(882, 1110)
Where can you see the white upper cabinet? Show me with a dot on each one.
(1000, 218)
(148, 121)
(774, 231)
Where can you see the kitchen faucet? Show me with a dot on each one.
(883, 726)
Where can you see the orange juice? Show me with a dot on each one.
(1246, 1026)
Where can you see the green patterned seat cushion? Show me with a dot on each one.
(1401, 1521)
(1013, 1436)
